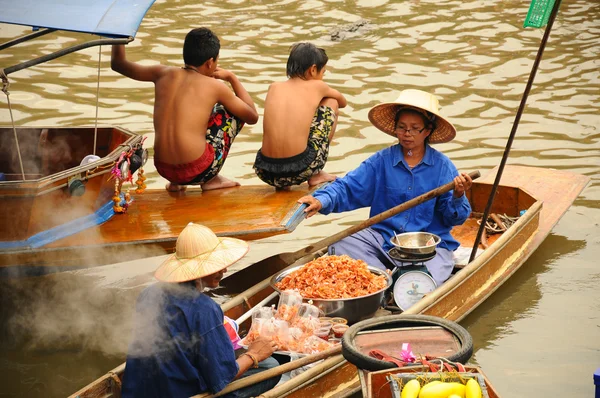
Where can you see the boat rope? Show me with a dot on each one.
(498, 223)
(513, 132)
(97, 98)
(5, 85)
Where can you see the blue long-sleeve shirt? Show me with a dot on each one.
(180, 347)
(385, 180)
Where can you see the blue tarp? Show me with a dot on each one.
(112, 18)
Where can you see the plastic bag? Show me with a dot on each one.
(263, 313)
(259, 316)
(307, 318)
(314, 344)
(289, 304)
(296, 339)
(282, 335)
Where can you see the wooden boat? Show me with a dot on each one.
(58, 212)
(544, 194)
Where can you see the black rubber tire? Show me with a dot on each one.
(362, 361)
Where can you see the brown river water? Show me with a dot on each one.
(537, 336)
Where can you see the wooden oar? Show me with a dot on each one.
(276, 371)
(276, 262)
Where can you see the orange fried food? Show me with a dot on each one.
(333, 277)
(286, 312)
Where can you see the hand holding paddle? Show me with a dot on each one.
(460, 184)
(314, 205)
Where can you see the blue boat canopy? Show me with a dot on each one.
(111, 18)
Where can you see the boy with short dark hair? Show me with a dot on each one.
(299, 122)
(196, 117)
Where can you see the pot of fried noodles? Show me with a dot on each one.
(339, 286)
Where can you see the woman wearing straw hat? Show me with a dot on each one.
(395, 175)
(180, 347)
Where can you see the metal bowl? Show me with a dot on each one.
(415, 242)
(353, 309)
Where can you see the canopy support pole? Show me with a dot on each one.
(25, 38)
(97, 98)
(64, 51)
(534, 69)
(5, 84)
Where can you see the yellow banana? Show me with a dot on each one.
(442, 390)
(472, 389)
(431, 383)
(411, 389)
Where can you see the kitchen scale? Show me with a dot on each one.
(411, 286)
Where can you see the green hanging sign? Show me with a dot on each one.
(539, 12)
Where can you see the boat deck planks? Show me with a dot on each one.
(155, 219)
(251, 211)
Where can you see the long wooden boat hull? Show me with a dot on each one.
(47, 223)
(551, 190)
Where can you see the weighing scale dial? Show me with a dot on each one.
(410, 287)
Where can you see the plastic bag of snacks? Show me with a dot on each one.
(282, 334)
(269, 327)
(260, 315)
(289, 304)
(263, 313)
(274, 329)
(314, 344)
(296, 339)
(307, 318)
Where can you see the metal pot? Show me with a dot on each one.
(353, 309)
(415, 243)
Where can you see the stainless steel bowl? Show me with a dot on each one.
(415, 242)
(353, 309)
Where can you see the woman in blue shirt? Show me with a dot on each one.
(397, 174)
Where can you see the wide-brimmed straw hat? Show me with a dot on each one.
(383, 115)
(199, 252)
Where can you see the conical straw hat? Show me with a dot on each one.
(199, 252)
(383, 115)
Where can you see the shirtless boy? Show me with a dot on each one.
(196, 116)
(299, 122)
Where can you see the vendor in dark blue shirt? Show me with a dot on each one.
(180, 347)
(395, 175)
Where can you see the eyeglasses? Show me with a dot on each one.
(412, 132)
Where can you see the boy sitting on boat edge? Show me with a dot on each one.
(299, 122)
(196, 117)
